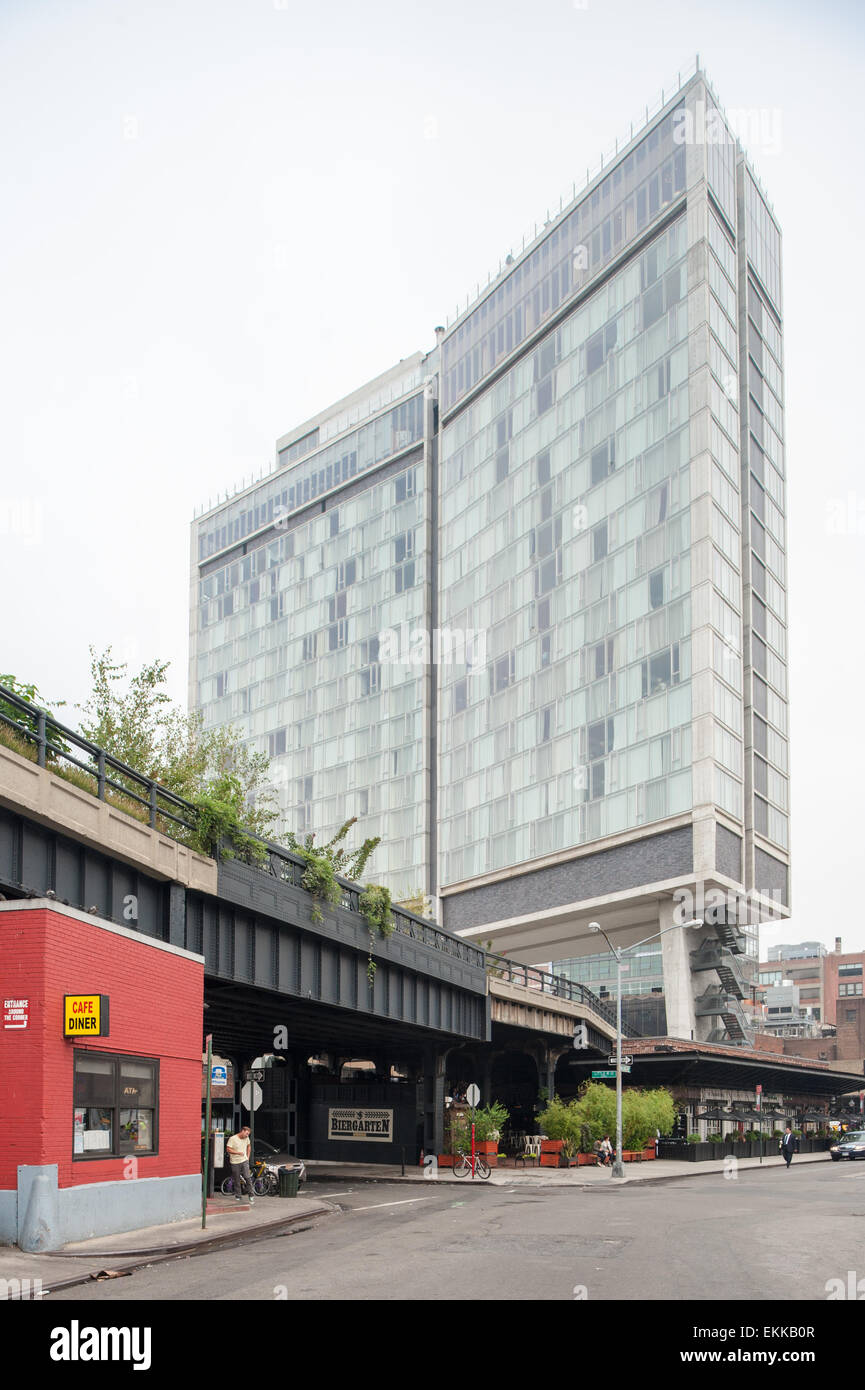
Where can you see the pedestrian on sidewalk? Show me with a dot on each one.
(788, 1146)
(238, 1157)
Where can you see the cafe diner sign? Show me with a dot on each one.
(85, 1015)
(361, 1124)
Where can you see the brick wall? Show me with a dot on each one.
(155, 1011)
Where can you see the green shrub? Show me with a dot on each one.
(489, 1121)
(694, 1139)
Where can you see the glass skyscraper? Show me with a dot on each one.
(578, 497)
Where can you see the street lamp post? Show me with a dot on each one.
(618, 952)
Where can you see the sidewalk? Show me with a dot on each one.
(229, 1222)
(655, 1170)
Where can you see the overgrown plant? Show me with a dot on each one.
(219, 827)
(348, 863)
(133, 719)
(375, 906)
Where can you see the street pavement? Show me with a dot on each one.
(741, 1237)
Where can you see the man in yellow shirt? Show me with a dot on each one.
(238, 1157)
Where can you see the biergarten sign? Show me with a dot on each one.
(376, 1125)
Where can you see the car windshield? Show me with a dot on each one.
(857, 1138)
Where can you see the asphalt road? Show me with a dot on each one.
(761, 1236)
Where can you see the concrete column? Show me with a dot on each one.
(434, 1073)
(678, 983)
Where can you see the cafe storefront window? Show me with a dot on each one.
(116, 1105)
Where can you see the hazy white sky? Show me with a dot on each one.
(219, 217)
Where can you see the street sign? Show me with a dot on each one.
(16, 1013)
(219, 1075)
(606, 1075)
(254, 1074)
(626, 1061)
(251, 1096)
(473, 1096)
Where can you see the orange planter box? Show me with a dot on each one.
(549, 1160)
(551, 1146)
(445, 1160)
(490, 1150)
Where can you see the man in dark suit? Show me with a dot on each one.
(788, 1146)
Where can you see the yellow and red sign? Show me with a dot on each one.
(85, 1015)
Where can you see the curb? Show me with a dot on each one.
(689, 1170)
(162, 1254)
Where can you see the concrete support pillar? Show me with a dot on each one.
(678, 982)
(435, 1067)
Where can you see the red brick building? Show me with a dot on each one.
(100, 1077)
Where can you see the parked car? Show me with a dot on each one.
(851, 1146)
(276, 1159)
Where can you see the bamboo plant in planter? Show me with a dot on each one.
(489, 1121)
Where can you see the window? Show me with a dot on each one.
(403, 547)
(276, 743)
(599, 541)
(346, 574)
(115, 1105)
(546, 721)
(656, 589)
(502, 673)
(661, 670)
(404, 486)
(603, 460)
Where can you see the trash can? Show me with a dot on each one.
(288, 1178)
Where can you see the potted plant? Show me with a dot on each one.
(489, 1121)
(557, 1123)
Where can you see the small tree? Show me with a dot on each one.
(133, 719)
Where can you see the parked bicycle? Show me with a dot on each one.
(264, 1182)
(463, 1165)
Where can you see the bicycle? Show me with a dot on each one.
(463, 1165)
(264, 1182)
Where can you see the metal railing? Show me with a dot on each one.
(53, 741)
(178, 818)
(289, 867)
(558, 986)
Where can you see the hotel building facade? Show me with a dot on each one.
(519, 604)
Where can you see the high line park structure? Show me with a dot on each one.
(587, 469)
